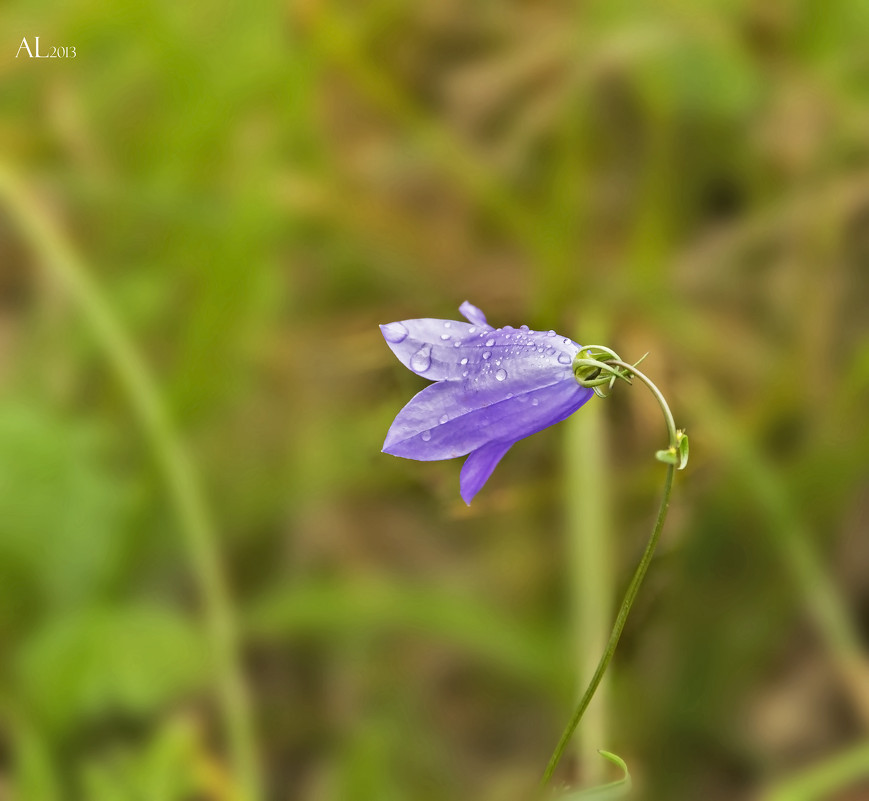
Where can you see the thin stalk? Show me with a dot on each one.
(60, 259)
(633, 587)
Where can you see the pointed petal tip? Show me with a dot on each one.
(479, 466)
(393, 333)
(472, 314)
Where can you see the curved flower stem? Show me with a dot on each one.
(636, 581)
(61, 260)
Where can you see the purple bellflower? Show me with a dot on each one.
(493, 387)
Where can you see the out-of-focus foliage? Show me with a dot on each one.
(254, 187)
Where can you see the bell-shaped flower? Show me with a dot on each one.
(493, 387)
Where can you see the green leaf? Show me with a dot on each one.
(61, 508)
(131, 660)
(165, 768)
(614, 789)
(668, 456)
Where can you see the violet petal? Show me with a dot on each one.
(450, 419)
(479, 466)
(473, 315)
(449, 350)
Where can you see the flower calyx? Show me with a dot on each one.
(597, 367)
(593, 368)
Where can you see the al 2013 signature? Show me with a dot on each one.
(66, 51)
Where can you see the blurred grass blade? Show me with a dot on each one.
(60, 259)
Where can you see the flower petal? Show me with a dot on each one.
(452, 418)
(473, 315)
(479, 466)
(449, 350)
(429, 347)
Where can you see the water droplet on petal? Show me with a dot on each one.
(501, 374)
(490, 342)
(457, 344)
(445, 337)
(509, 395)
(472, 329)
(524, 328)
(550, 333)
(421, 360)
(563, 358)
(394, 332)
(426, 436)
(447, 324)
(443, 419)
(465, 374)
(463, 361)
(508, 327)
(487, 354)
(540, 349)
(534, 401)
(550, 351)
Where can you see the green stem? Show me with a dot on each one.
(633, 587)
(66, 266)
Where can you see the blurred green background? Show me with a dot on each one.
(203, 554)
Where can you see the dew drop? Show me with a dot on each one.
(394, 332)
(421, 360)
(465, 374)
(487, 354)
(540, 349)
(490, 342)
(501, 374)
(509, 395)
(524, 328)
(508, 327)
(457, 344)
(447, 324)
(426, 436)
(443, 419)
(497, 361)
(534, 401)
(550, 333)
(472, 329)
(445, 337)
(550, 351)
(563, 358)
(463, 361)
